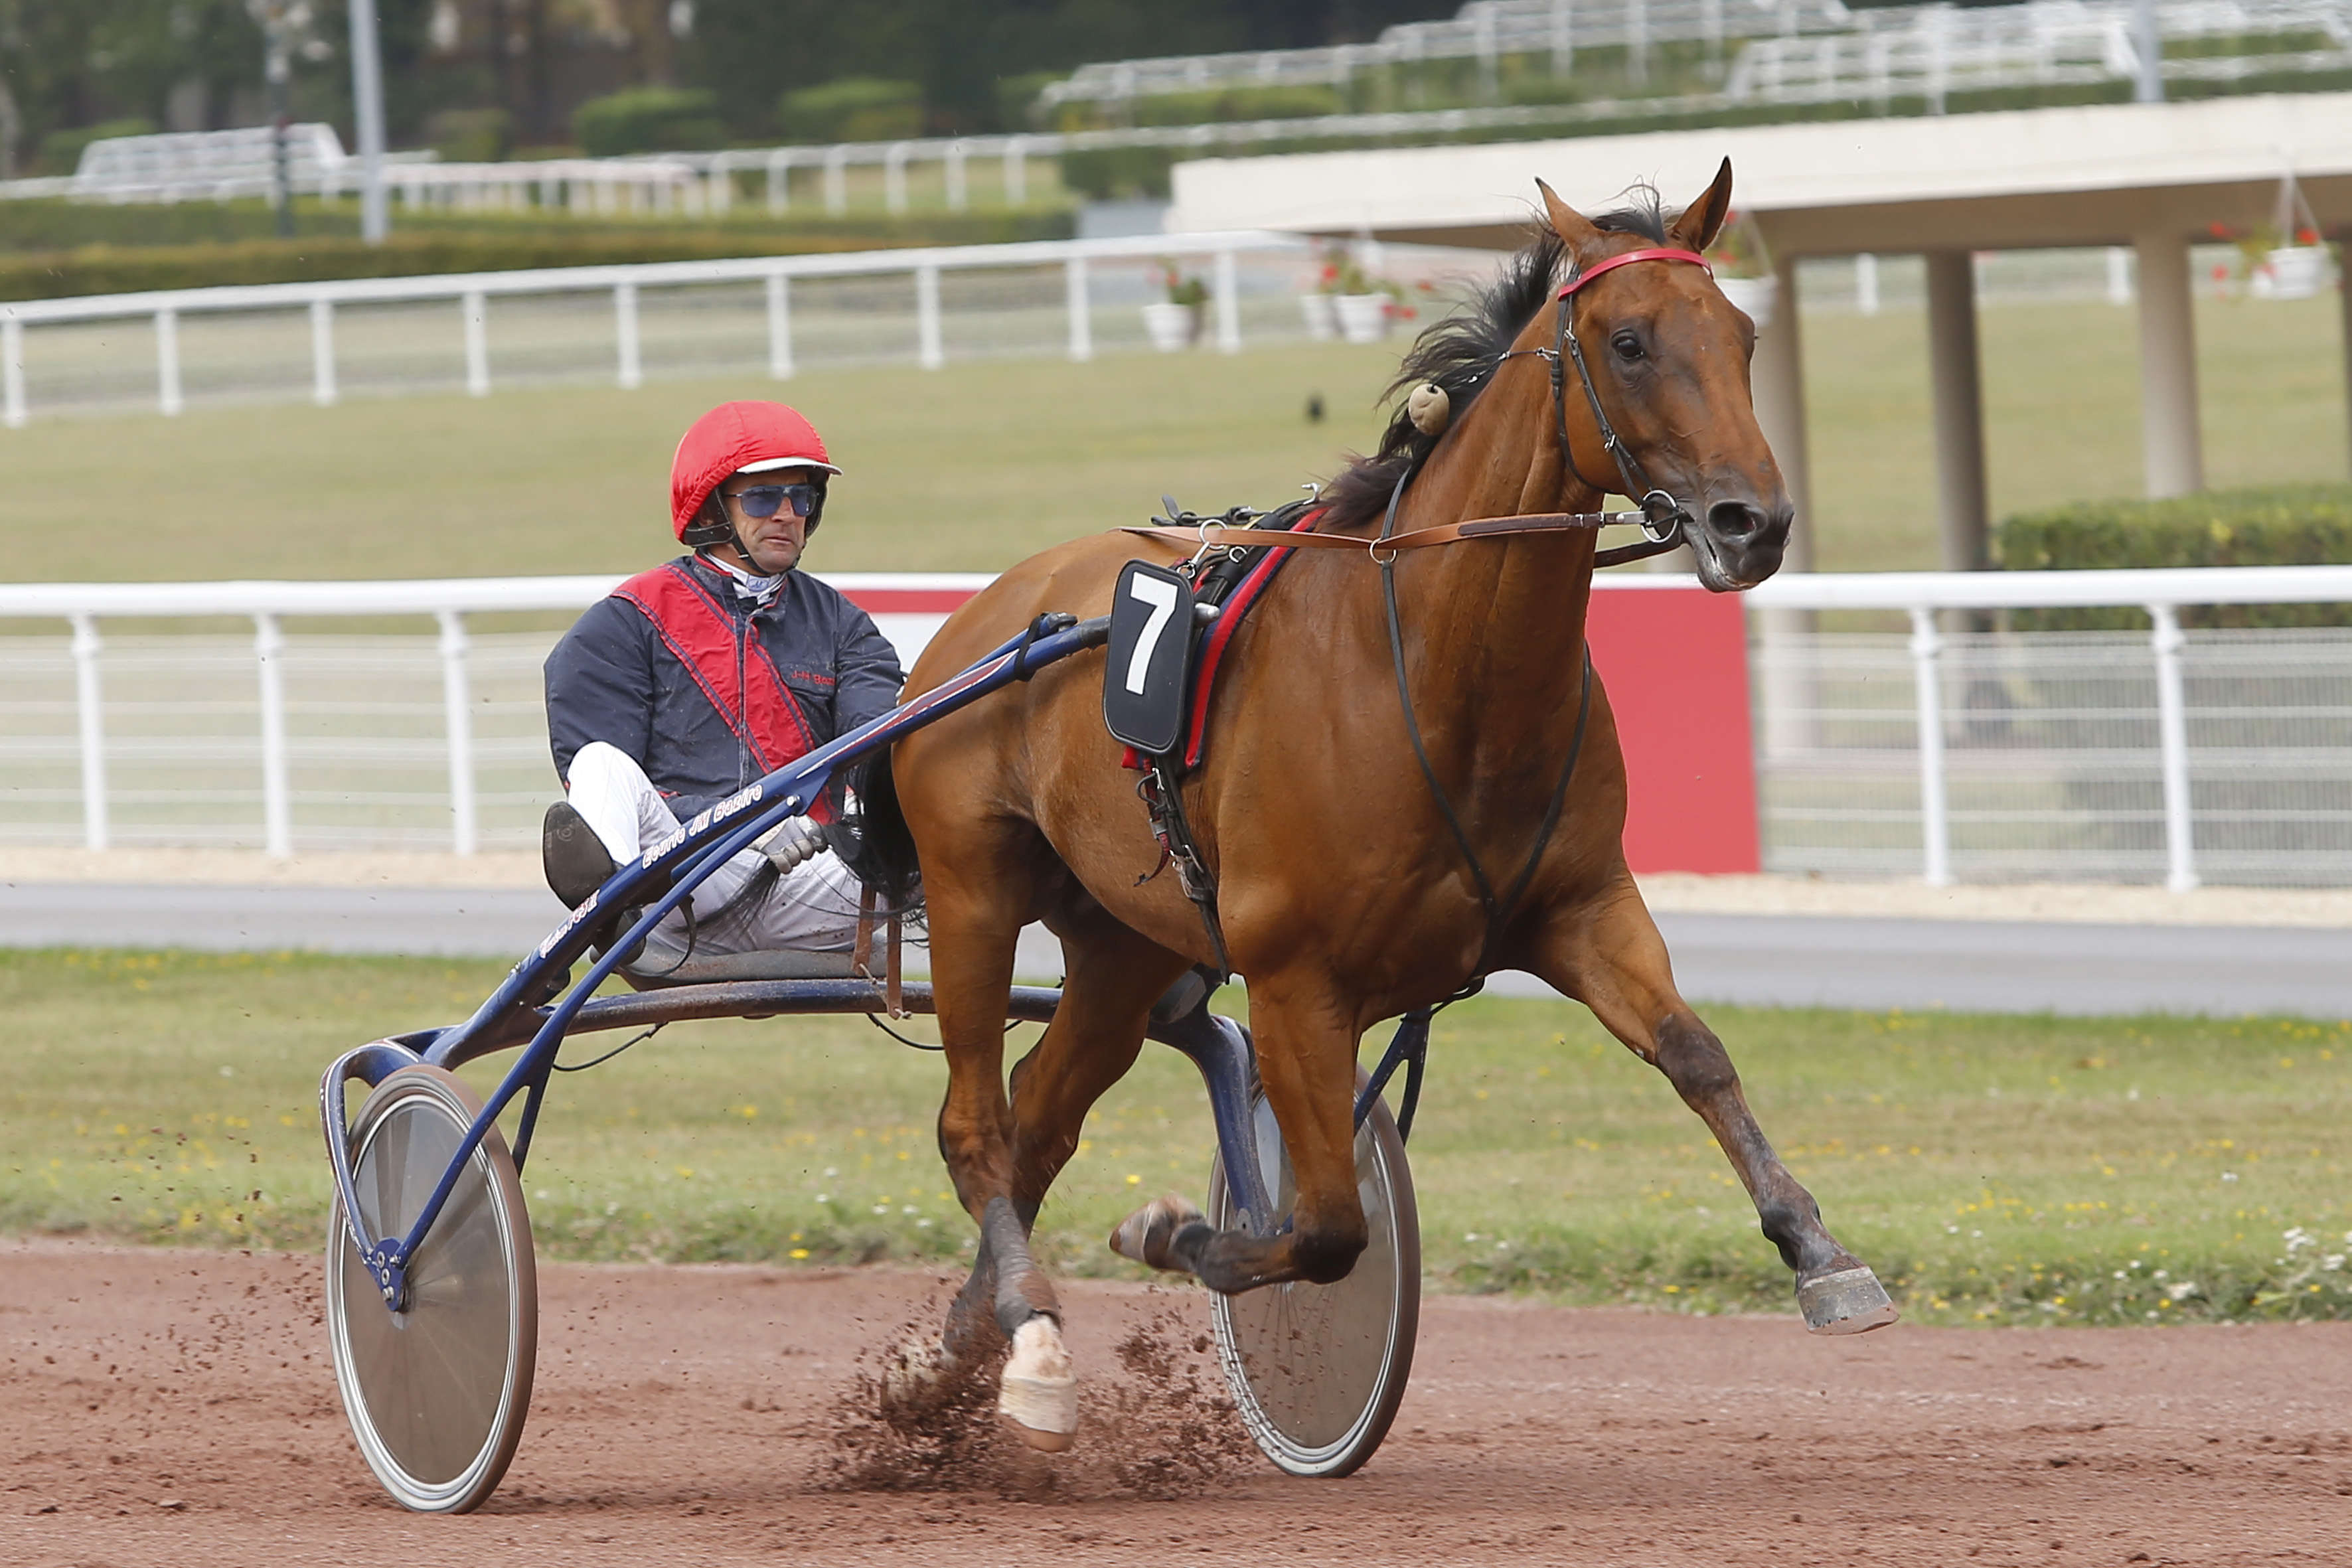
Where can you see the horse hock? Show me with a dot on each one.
(1837, 1292)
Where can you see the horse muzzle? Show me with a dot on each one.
(1739, 542)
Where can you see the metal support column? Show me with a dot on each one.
(2173, 449)
(1958, 399)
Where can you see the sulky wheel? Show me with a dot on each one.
(1317, 1370)
(436, 1394)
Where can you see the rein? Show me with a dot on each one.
(1660, 517)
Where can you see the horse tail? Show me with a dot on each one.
(879, 849)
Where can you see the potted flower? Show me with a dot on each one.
(1318, 305)
(1363, 305)
(2296, 272)
(1743, 269)
(1174, 322)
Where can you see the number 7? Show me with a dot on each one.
(1160, 595)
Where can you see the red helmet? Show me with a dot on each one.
(738, 439)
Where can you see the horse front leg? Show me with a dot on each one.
(1306, 1060)
(1610, 956)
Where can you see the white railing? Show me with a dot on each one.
(1932, 51)
(471, 294)
(2083, 748)
(358, 696)
(2161, 595)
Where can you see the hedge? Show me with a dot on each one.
(852, 108)
(2299, 525)
(112, 270)
(649, 119)
(58, 224)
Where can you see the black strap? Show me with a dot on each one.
(1497, 910)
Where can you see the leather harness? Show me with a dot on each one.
(1662, 519)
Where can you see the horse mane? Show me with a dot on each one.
(1461, 354)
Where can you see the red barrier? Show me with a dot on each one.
(1675, 663)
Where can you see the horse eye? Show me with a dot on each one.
(1628, 346)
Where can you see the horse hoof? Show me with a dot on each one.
(1145, 1234)
(1038, 1393)
(1849, 1301)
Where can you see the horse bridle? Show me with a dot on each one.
(1661, 516)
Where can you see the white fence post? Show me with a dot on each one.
(1082, 326)
(276, 795)
(780, 326)
(1229, 303)
(894, 176)
(836, 179)
(477, 311)
(11, 371)
(780, 188)
(167, 360)
(927, 318)
(90, 709)
(1934, 812)
(1016, 172)
(958, 195)
(2119, 276)
(2172, 740)
(456, 706)
(322, 353)
(631, 373)
(1866, 283)
(720, 184)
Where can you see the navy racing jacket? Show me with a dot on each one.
(708, 694)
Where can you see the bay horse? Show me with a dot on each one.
(1353, 876)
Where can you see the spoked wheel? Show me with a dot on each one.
(436, 1394)
(1319, 1370)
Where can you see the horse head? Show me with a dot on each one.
(1668, 359)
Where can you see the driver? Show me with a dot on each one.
(701, 676)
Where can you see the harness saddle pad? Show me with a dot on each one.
(1234, 581)
(1144, 678)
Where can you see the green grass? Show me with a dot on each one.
(1995, 1169)
(970, 467)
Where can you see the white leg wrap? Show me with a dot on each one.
(1040, 1392)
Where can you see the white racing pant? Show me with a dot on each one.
(813, 909)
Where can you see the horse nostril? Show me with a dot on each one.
(1736, 519)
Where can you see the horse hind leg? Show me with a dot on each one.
(1307, 1058)
(1613, 959)
(1113, 977)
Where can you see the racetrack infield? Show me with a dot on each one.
(167, 1405)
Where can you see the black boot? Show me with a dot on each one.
(574, 859)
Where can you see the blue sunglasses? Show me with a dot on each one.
(766, 500)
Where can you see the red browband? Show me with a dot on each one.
(1652, 254)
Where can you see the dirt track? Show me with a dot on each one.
(176, 1407)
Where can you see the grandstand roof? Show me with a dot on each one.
(2093, 175)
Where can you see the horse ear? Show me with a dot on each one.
(1573, 227)
(1703, 219)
